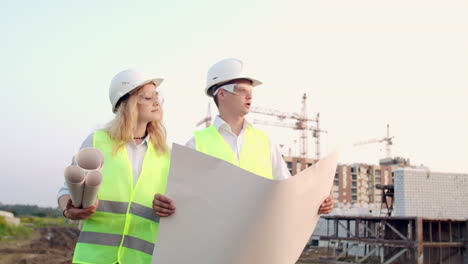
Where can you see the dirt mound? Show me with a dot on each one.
(53, 245)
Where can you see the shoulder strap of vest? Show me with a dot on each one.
(101, 137)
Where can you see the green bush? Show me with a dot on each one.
(31, 210)
(38, 222)
(2, 221)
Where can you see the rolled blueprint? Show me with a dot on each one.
(75, 178)
(90, 159)
(91, 187)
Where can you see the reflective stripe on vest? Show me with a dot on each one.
(121, 208)
(255, 155)
(124, 227)
(114, 240)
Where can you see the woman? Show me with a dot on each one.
(122, 226)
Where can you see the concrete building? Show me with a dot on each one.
(358, 182)
(428, 194)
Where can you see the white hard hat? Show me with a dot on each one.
(125, 82)
(227, 70)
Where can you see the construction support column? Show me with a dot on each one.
(419, 250)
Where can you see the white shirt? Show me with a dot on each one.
(280, 170)
(136, 154)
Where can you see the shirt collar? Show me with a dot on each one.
(219, 123)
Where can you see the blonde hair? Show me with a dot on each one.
(120, 129)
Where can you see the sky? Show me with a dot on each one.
(362, 64)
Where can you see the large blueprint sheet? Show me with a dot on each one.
(228, 215)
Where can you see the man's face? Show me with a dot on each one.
(240, 99)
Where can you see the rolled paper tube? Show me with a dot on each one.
(75, 178)
(91, 187)
(90, 158)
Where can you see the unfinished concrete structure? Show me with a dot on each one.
(388, 240)
(430, 224)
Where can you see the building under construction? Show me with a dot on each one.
(429, 224)
(358, 182)
(421, 217)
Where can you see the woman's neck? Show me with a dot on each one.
(139, 132)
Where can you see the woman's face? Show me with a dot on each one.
(148, 103)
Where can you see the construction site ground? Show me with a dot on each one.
(54, 245)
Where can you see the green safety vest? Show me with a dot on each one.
(255, 154)
(124, 227)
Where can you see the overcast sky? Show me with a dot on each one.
(363, 64)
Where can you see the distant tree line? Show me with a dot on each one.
(31, 210)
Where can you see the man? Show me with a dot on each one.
(231, 137)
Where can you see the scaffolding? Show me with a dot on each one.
(389, 240)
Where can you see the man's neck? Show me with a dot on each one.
(235, 122)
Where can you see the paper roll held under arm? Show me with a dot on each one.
(90, 159)
(75, 178)
(91, 187)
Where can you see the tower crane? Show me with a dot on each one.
(301, 123)
(388, 142)
(207, 119)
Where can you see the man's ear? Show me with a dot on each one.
(220, 93)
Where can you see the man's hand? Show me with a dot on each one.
(74, 213)
(163, 206)
(327, 206)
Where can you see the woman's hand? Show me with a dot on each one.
(163, 205)
(74, 213)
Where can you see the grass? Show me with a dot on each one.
(28, 226)
(8, 232)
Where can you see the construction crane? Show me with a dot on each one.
(301, 123)
(388, 142)
(207, 119)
